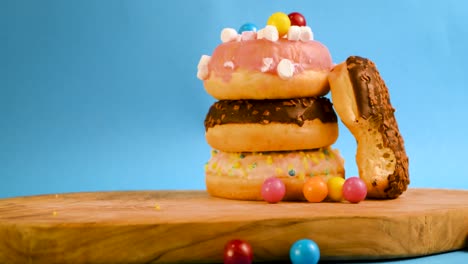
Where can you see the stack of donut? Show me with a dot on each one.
(271, 118)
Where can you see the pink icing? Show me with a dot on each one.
(249, 55)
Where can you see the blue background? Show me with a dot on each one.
(103, 95)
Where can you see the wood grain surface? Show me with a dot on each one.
(190, 226)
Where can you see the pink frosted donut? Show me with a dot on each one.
(264, 69)
(240, 175)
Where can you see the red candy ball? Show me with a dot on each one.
(273, 190)
(297, 19)
(238, 252)
(354, 190)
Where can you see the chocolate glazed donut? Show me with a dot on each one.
(271, 125)
(363, 103)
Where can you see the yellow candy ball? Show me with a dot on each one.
(281, 21)
(335, 188)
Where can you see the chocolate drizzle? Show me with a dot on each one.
(293, 111)
(373, 103)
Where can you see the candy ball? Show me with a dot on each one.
(273, 190)
(297, 19)
(281, 22)
(335, 188)
(238, 252)
(315, 189)
(304, 251)
(354, 190)
(248, 27)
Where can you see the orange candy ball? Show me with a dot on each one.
(315, 189)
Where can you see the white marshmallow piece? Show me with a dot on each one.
(271, 33)
(267, 62)
(306, 34)
(285, 69)
(228, 35)
(248, 35)
(294, 33)
(203, 71)
(229, 64)
(261, 34)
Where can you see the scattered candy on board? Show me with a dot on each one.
(315, 189)
(354, 190)
(335, 188)
(238, 251)
(273, 190)
(304, 251)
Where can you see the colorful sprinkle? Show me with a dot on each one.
(305, 163)
(157, 207)
(242, 156)
(269, 160)
(279, 171)
(302, 175)
(292, 172)
(326, 152)
(236, 165)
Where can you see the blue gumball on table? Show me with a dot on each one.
(304, 251)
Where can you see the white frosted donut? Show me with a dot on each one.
(251, 78)
(240, 175)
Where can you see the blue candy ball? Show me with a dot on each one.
(248, 27)
(304, 251)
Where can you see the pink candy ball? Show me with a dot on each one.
(354, 190)
(273, 190)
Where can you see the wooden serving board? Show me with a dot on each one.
(190, 226)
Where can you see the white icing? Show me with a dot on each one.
(266, 64)
(229, 34)
(285, 69)
(306, 34)
(294, 33)
(271, 33)
(229, 64)
(203, 71)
